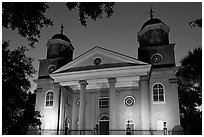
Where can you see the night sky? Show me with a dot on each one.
(118, 33)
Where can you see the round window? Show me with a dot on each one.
(97, 61)
(129, 101)
(156, 58)
(51, 68)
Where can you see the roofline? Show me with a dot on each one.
(107, 50)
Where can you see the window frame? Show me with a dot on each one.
(104, 115)
(103, 98)
(49, 99)
(129, 97)
(158, 102)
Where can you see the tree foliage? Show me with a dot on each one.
(190, 91)
(18, 111)
(94, 10)
(196, 22)
(27, 18)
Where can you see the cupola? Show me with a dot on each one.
(153, 32)
(60, 46)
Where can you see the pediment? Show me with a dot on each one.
(108, 59)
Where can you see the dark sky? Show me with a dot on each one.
(118, 33)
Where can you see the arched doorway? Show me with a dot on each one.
(130, 126)
(104, 124)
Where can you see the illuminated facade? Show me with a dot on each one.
(105, 92)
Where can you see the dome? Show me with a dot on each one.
(61, 36)
(152, 21)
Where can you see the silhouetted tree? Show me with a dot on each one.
(27, 18)
(93, 10)
(190, 92)
(18, 111)
(196, 22)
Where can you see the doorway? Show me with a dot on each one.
(130, 127)
(104, 125)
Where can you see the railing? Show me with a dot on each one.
(107, 132)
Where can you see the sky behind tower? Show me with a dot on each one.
(118, 33)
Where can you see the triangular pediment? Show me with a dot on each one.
(108, 59)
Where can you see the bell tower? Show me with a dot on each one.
(59, 53)
(154, 47)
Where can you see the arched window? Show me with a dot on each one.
(49, 99)
(158, 92)
(104, 117)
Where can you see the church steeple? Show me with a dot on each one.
(59, 52)
(154, 47)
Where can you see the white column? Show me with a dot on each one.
(82, 106)
(145, 103)
(112, 106)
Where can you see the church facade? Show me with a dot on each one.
(106, 92)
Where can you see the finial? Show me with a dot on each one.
(62, 27)
(151, 13)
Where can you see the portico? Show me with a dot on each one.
(93, 79)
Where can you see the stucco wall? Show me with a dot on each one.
(169, 110)
(49, 114)
(123, 113)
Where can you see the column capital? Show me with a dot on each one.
(112, 80)
(83, 82)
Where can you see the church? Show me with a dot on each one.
(103, 92)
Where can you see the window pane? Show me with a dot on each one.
(47, 103)
(161, 98)
(160, 86)
(103, 102)
(155, 86)
(155, 92)
(51, 97)
(161, 91)
(155, 98)
(51, 103)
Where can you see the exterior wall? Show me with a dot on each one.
(65, 108)
(124, 112)
(169, 110)
(93, 113)
(166, 51)
(68, 97)
(49, 114)
(75, 111)
(44, 65)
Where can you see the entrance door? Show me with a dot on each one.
(130, 127)
(104, 125)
